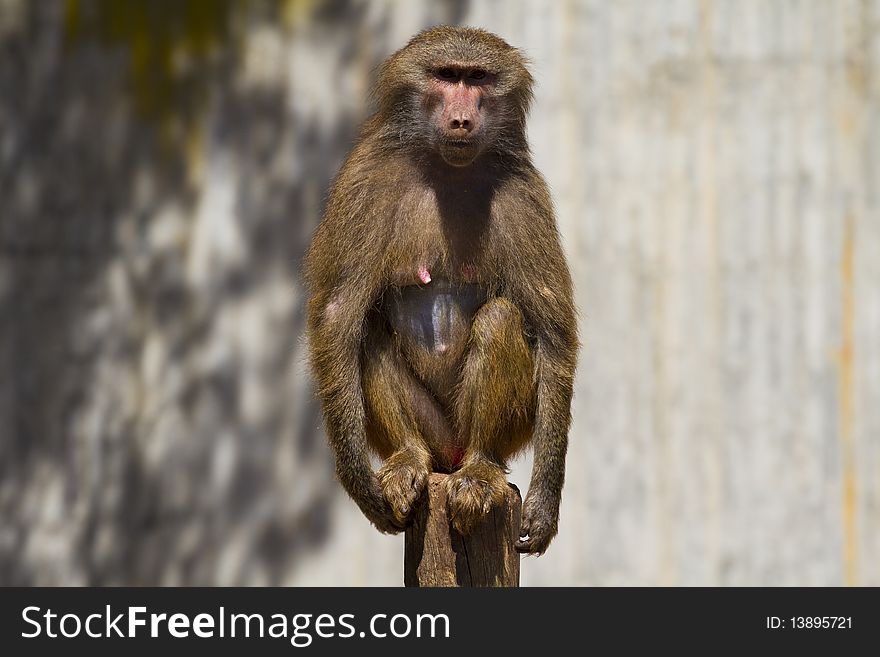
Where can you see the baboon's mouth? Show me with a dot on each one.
(459, 152)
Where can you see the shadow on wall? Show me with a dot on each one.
(159, 191)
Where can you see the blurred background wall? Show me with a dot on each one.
(716, 169)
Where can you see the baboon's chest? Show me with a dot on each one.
(437, 281)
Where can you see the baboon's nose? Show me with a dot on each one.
(461, 122)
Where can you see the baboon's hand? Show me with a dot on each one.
(403, 478)
(378, 511)
(540, 517)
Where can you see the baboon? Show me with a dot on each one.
(441, 323)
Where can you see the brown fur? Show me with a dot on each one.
(498, 372)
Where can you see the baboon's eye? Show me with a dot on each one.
(477, 74)
(447, 73)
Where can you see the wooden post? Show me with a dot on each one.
(437, 555)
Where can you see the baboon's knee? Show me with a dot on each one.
(498, 320)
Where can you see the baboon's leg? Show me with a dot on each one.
(494, 409)
(404, 422)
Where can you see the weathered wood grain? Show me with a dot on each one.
(437, 555)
